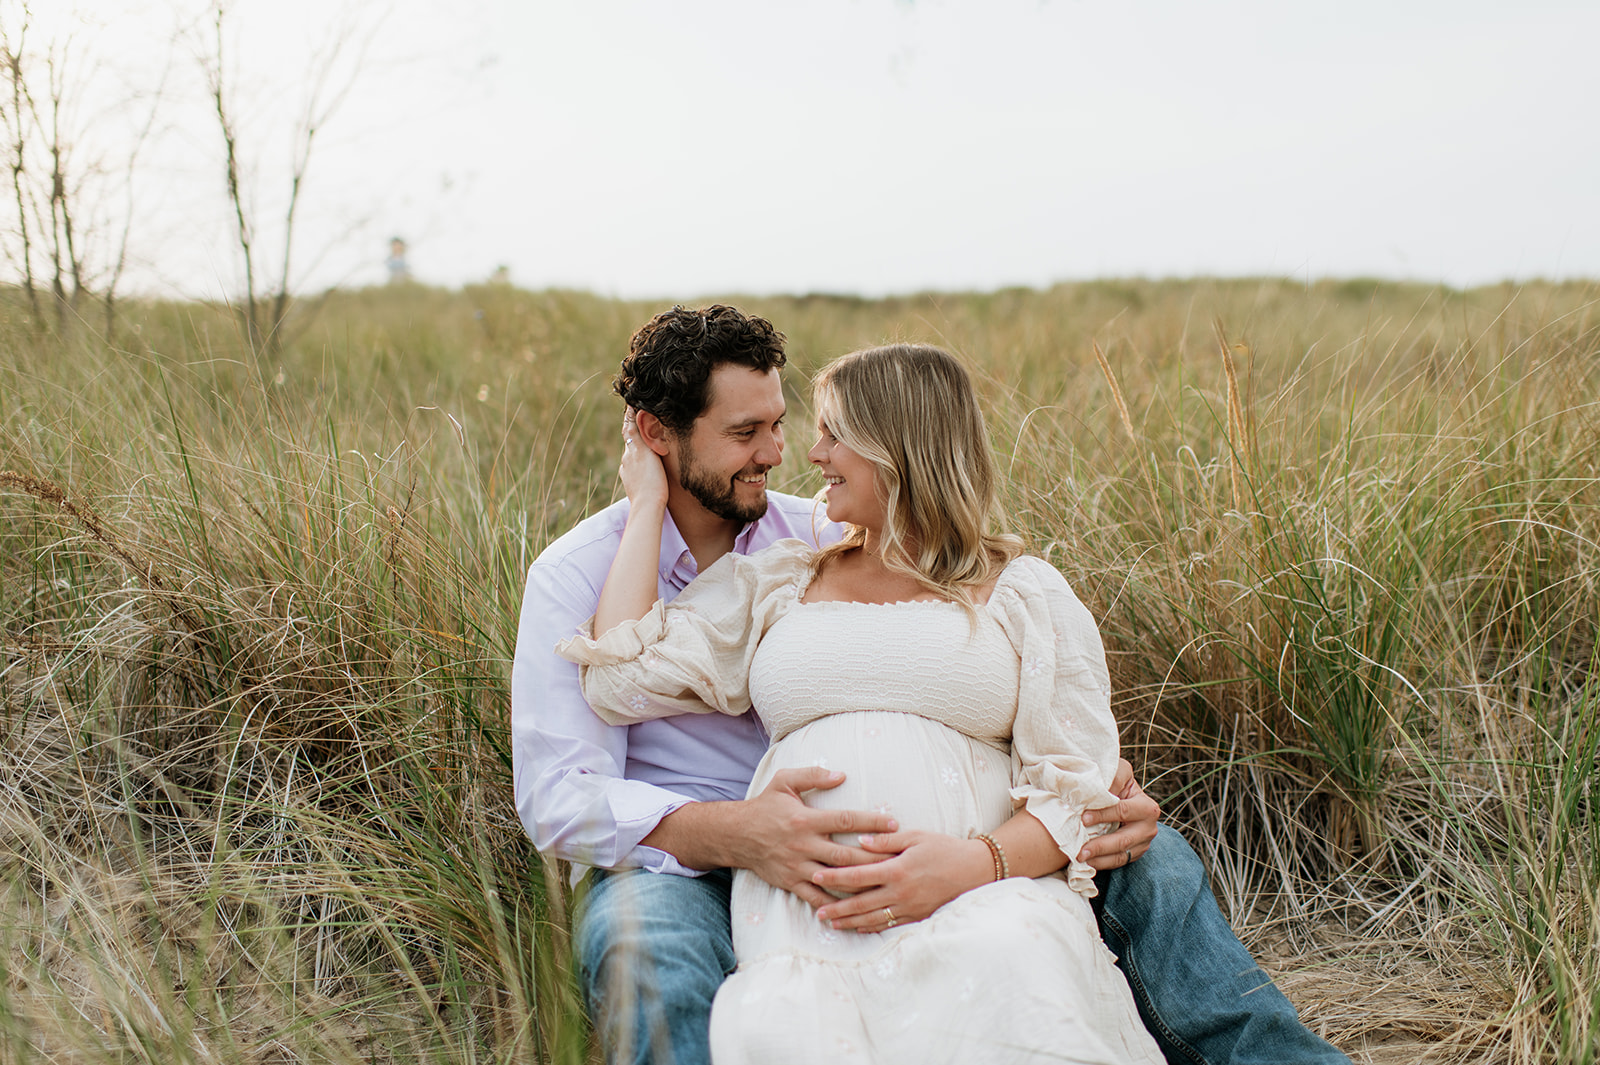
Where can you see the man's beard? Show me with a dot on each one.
(717, 493)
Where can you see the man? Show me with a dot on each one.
(657, 809)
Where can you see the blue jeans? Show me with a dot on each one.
(1199, 991)
(653, 947)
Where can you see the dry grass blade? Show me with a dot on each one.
(1238, 439)
(1116, 391)
(54, 494)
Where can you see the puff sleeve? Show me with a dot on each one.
(1064, 739)
(692, 655)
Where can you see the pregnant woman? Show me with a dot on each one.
(959, 685)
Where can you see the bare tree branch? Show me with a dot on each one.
(63, 243)
(266, 311)
(130, 169)
(17, 123)
(216, 75)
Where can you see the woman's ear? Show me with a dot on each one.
(651, 430)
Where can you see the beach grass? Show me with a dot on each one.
(257, 618)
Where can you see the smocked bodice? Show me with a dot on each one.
(931, 659)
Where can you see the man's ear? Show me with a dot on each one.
(651, 430)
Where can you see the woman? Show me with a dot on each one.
(959, 685)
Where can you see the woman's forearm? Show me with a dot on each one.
(1028, 847)
(1023, 847)
(630, 589)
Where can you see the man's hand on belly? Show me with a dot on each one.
(775, 835)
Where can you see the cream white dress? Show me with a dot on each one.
(949, 722)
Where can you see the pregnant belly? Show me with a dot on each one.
(925, 775)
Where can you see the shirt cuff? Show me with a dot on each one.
(659, 861)
(653, 859)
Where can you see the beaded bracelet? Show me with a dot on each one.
(1002, 869)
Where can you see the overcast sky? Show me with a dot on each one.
(674, 149)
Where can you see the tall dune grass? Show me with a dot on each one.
(257, 618)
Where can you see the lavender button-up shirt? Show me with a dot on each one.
(587, 791)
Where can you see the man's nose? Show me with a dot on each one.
(770, 453)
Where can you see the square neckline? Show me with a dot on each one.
(804, 586)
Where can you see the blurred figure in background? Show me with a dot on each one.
(399, 269)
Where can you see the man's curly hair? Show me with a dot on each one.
(668, 368)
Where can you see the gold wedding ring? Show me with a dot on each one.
(889, 915)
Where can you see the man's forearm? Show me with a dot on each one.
(700, 835)
(773, 834)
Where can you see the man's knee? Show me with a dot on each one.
(652, 950)
(1169, 873)
(672, 957)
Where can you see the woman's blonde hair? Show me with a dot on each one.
(910, 410)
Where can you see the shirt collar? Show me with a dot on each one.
(678, 566)
(741, 542)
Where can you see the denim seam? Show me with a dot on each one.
(1137, 983)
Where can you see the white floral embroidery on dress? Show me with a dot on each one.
(650, 658)
(886, 967)
(639, 702)
(873, 733)
(821, 763)
(982, 765)
(750, 998)
(882, 808)
(1033, 667)
(754, 917)
(949, 777)
(827, 935)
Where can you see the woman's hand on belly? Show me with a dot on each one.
(927, 870)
